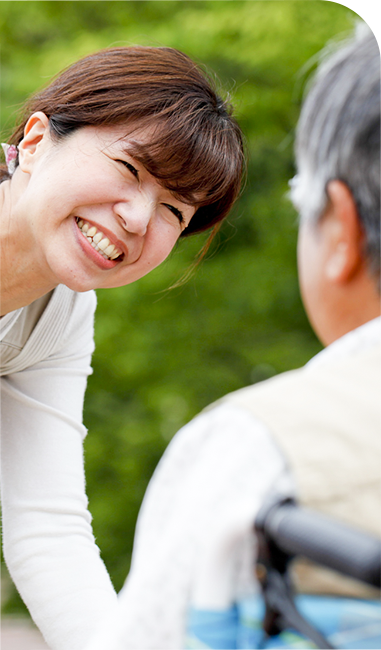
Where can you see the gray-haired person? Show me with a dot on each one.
(313, 432)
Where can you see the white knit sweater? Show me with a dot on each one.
(48, 542)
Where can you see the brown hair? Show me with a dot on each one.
(196, 150)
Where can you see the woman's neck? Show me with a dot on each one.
(22, 280)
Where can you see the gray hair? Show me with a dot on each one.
(338, 137)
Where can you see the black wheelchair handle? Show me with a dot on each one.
(299, 531)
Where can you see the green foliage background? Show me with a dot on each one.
(162, 355)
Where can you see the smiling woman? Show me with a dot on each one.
(124, 152)
(110, 191)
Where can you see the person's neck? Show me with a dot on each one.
(356, 306)
(22, 279)
(20, 291)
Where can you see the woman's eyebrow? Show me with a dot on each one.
(131, 150)
(127, 149)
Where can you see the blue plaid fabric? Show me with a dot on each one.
(346, 623)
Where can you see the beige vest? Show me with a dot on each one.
(327, 421)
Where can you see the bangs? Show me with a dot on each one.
(196, 160)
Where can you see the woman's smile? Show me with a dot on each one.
(98, 240)
(101, 247)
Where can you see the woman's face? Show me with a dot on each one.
(94, 216)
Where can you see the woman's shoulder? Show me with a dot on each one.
(68, 304)
(56, 322)
(85, 302)
(69, 319)
(66, 329)
(70, 310)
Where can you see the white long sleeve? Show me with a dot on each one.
(48, 542)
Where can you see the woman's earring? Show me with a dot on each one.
(10, 153)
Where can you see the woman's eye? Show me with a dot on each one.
(131, 168)
(175, 211)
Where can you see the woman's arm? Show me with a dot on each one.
(48, 542)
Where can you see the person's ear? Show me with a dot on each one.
(36, 132)
(345, 233)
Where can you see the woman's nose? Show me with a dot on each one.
(135, 214)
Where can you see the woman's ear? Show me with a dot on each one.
(346, 236)
(36, 133)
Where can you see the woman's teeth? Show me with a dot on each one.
(98, 241)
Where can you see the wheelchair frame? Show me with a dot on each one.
(285, 530)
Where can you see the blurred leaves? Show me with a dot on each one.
(162, 355)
